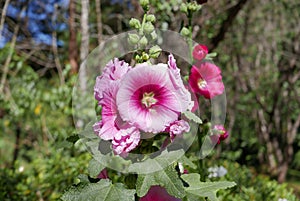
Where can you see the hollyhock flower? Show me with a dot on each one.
(206, 79)
(200, 52)
(112, 72)
(175, 77)
(148, 99)
(125, 140)
(108, 127)
(111, 121)
(158, 193)
(103, 174)
(177, 128)
(220, 133)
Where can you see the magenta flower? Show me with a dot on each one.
(103, 174)
(206, 79)
(145, 98)
(148, 99)
(158, 193)
(178, 127)
(200, 52)
(125, 140)
(219, 133)
(112, 72)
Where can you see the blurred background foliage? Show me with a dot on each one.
(42, 44)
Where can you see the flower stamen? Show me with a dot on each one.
(148, 99)
(201, 83)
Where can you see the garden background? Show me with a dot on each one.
(42, 44)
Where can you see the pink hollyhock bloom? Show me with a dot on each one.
(157, 193)
(177, 128)
(112, 72)
(181, 90)
(107, 127)
(111, 121)
(200, 52)
(125, 140)
(148, 99)
(220, 133)
(206, 79)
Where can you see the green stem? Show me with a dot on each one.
(201, 164)
(139, 51)
(190, 39)
(143, 23)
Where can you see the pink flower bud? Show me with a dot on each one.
(220, 133)
(200, 52)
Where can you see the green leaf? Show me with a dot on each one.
(204, 189)
(167, 178)
(157, 163)
(95, 167)
(67, 143)
(63, 144)
(104, 190)
(88, 132)
(211, 55)
(83, 178)
(186, 161)
(191, 116)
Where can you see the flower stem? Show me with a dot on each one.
(201, 164)
(190, 39)
(143, 24)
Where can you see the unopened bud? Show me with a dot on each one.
(155, 51)
(150, 18)
(148, 27)
(134, 23)
(145, 4)
(133, 38)
(185, 31)
(183, 8)
(145, 56)
(153, 35)
(143, 41)
(193, 6)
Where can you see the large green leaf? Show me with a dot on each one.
(204, 189)
(88, 132)
(187, 162)
(167, 178)
(157, 163)
(95, 167)
(104, 190)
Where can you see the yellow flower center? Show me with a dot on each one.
(148, 99)
(201, 83)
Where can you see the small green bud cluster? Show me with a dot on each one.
(190, 7)
(145, 5)
(144, 36)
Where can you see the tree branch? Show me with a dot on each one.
(232, 13)
(99, 21)
(3, 17)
